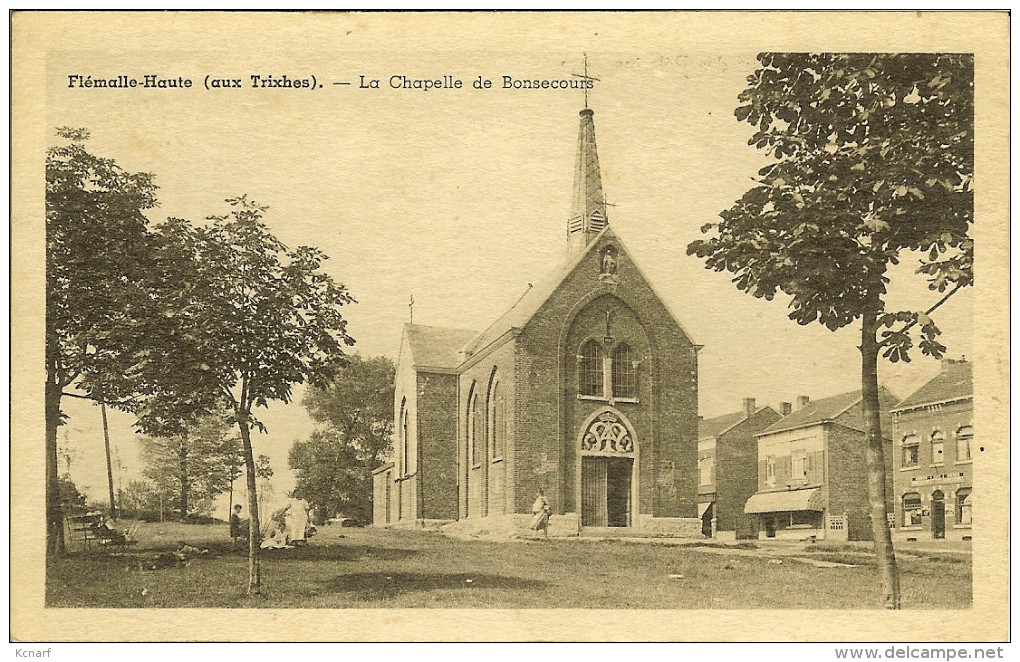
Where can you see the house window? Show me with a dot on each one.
(910, 450)
(770, 470)
(624, 372)
(938, 447)
(963, 506)
(799, 461)
(912, 509)
(805, 518)
(963, 437)
(706, 469)
(590, 369)
(497, 421)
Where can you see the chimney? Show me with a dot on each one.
(947, 362)
(785, 409)
(749, 407)
(802, 401)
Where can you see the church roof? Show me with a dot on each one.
(521, 312)
(956, 381)
(587, 225)
(436, 346)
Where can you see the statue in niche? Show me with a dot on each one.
(608, 273)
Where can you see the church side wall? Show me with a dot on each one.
(485, 487)
(436, 477)
(403, 500)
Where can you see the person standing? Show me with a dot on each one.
(542, 512)
(238, 527)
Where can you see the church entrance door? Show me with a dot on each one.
(606, 491)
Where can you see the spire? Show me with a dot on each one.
(588, 214)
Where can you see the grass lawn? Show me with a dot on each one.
(399, 568)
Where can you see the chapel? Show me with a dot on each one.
(586, 389)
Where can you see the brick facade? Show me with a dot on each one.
(734, 457)
(939, 418)
(821, 448)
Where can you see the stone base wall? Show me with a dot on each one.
(924, 535)
(680, 527)
(567, 525)
(427, 525)
(512, 526)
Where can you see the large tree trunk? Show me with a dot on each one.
(54, 517)
(876, 462)
(254, 529)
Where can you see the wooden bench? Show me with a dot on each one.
(83, 528)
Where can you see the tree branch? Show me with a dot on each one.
(931, 310)
(74, 395)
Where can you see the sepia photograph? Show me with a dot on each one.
(430, 326)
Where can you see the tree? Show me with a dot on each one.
(97, 242)
(259, 318)
(872, 160)
(333, 467)
(195, 465)
(71, 500)
(263, 474)
(139, 499)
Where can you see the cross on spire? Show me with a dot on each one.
(586, 78)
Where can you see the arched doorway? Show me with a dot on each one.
(607, 472)
(938, 514)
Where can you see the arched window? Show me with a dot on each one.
(963, 515)
(963, 438)
(404, 453)
(590, 369)
(497, 421)
(624, 373)
(912, 509)
(476, 426)
(911, 445)
(938, 447)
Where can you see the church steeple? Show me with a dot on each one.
(588, 213)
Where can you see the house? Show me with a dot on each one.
(932, 478)
(586, 388)
(728, 470)
(812, 470)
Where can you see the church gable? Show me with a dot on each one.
(605, 268)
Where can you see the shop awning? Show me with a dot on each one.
(781, 502)
(703, 506)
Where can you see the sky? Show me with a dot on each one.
(460, 197)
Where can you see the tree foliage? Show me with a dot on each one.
(872, 158)
(259, 317)
(333, 467)
(194, 466)
(97, 277)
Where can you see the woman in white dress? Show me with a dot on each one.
(297, 520)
